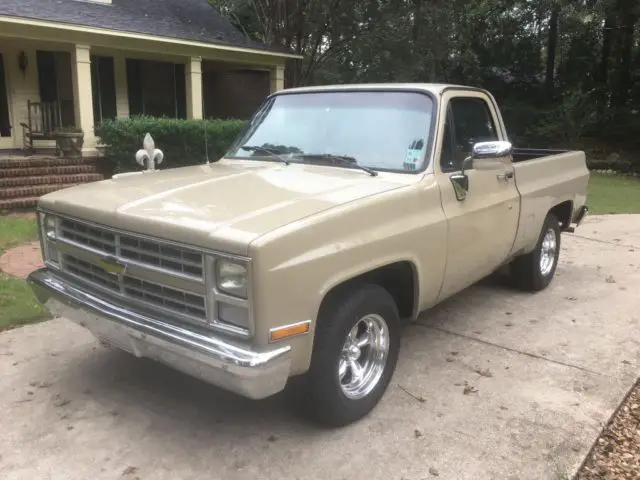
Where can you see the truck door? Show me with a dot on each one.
(481, 227)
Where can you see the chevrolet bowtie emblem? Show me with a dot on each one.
(112, 265)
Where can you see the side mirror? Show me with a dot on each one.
(492, 149)
(484, 156)
(483, 151)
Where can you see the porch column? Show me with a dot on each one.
(277, 78)
(122, 93)
(194, 88)
(83, 95)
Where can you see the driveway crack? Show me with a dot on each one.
(606, 242)
(515, 350)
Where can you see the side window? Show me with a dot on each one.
(447, 154)
(472, 123)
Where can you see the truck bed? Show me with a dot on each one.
(547, 178)
(524, 154)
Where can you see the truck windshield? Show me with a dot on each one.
(381, 130)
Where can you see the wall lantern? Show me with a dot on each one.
(23, 62)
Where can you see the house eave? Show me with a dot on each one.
(220, 47)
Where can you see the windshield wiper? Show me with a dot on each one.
(256, 148)
(341, 159)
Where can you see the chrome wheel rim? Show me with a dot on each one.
(548, 252)
(363, 357)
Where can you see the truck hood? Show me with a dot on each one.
(223, 205)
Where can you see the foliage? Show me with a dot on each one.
(183, 142)
(567, 71)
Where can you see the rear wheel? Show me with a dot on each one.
(355, 353)
(535, 270)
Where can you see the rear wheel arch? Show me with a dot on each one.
(563, 212)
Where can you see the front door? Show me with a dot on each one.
(6, 129)
(483, 226)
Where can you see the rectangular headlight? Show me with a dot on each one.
(231, 278)
(49, 236)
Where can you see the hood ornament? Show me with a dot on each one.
(149, 156)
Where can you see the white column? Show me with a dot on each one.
(122, 89)
(83, 96)
(194, 88)
(277, 78)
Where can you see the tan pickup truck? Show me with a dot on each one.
(338, 213)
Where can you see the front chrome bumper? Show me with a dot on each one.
(250, 373)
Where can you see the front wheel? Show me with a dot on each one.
(355, 352)
(535, 270)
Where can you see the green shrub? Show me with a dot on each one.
(181, 141)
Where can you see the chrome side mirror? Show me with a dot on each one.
(484, 156)
(497, 149)
(483, 153)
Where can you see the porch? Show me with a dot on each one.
(51, 85)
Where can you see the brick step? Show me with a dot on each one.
(37, 171)
(23, 162)
(18, 203)
(31, 191)
(49, 179)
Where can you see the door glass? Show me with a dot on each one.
(448, 158)
(472, 123)
(5, 125)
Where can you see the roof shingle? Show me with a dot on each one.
(192, 20)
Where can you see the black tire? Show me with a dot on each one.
(318, 393)
(527, 272)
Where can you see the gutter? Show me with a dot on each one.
(141, 36)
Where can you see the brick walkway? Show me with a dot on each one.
(22, 260)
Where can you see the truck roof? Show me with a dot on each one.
(435, 88)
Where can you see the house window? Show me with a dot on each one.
(5, 125)
(103, 82)
(233, 93)
(55, 82)
(156, 88)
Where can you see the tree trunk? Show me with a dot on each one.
(626, 53)
(552, 46)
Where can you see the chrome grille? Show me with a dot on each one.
(88, 236)
(91, 272)
(145, 252)
(153, 294)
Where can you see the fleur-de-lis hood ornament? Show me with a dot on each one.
(149, 156)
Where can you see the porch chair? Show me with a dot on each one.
(43, 119)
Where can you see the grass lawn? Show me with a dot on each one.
(613, 194)
(16, 229)
(17, 304)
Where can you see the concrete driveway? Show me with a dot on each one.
(493, 384)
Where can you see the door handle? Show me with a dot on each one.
(505, 176)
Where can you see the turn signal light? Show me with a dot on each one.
(287, 331)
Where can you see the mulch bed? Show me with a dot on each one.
(616, 454)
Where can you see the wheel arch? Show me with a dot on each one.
(400, 278)
(563, 211)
